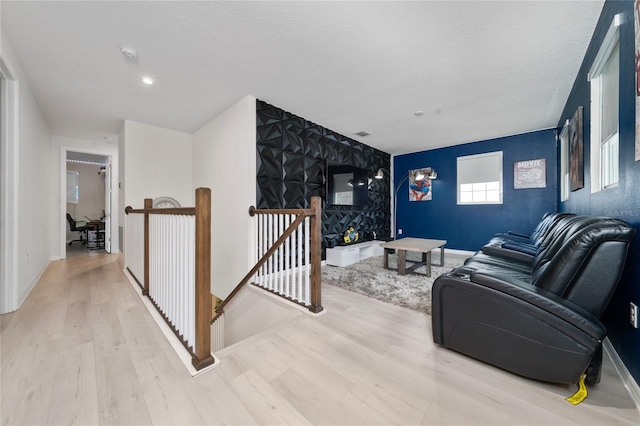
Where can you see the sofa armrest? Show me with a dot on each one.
(508, 253)
(522, 248)
(545, 300)
(517, 234)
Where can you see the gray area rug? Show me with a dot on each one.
(369, 278)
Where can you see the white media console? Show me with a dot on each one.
(352, 253)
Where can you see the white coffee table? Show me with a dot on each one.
(420, 245)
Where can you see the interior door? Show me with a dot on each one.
(107, 206)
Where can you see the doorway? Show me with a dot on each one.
(93, 203)
(87, 191)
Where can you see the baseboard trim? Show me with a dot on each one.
(459, 252)
(32, 285)
(627, 379)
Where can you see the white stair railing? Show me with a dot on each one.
(176, 268)
(134, 245)
(288, 271)
(172, 271)
(217, 333)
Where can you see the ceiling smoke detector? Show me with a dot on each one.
(363, 133)
(129, 52)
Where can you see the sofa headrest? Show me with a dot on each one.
(603, 243)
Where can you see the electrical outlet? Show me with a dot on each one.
(400, 231)
(633, 314)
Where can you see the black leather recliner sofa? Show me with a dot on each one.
(531, 304)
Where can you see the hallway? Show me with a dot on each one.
(83, 350)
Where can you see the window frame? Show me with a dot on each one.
(564, 162)
(477, 190)
(604, 167)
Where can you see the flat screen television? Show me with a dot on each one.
(347, 185)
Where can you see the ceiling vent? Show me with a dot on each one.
(363, 133)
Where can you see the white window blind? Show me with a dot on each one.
(72, 187)
(604, 80)
(564, 162)
(480, 178)
(610, 94)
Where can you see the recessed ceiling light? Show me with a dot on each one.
(418, 113)
(147, 80)
(362, 133)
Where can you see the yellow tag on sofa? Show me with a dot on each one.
(581, 394)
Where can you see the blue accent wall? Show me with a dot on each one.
(623, 201)
(469, 227)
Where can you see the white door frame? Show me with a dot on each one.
(63, 195)
(9, 190)
(107, 205)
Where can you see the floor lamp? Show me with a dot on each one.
(426, 173)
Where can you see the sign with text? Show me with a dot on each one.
(529, 174)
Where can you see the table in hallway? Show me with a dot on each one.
(420, 245)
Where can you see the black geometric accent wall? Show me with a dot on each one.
(291, 160)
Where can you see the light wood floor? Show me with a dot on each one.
(83, 350)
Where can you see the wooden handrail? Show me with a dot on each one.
(188, 211)
(306, 212)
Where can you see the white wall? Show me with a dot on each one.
(224, 159)
(157, 164)
(60, 146)
(34, 189)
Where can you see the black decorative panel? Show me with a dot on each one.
(291, 159)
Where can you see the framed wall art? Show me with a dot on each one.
(530, 174)
(576, 151)
(419, 186)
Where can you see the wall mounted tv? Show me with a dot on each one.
(347, 185)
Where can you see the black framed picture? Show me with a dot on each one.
(576, 152)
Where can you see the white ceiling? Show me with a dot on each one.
(478, 69)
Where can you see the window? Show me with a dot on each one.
(564, 162)
(72, 187)
(604, 80)
(480, 178)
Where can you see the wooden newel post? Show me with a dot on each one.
(202, 351)
(315, 255)
(148, 205)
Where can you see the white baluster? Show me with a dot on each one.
(179, 277)
(280, 255)
(192, 287)
(287, 253)
(171, 274)
(300, 265)
(270, 260)
(307, 271)
(263, 249)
